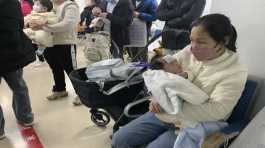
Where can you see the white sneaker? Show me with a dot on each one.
(57, 95)
(3, 136)
(77, 101)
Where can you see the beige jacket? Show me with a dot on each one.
(223, 79)
(65, 30)
(40, 37)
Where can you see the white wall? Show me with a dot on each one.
(207, 8)
(248, 18)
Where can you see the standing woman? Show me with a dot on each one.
(120, 15)
(62, 56)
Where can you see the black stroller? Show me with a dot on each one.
(103, 106)
(113, 104)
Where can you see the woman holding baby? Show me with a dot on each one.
(211, 63)
(61, 57)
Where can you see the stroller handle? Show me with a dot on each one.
(131, 105)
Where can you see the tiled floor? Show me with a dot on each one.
(58, 123)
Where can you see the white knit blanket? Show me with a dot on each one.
(170, 90)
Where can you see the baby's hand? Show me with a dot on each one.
(154, 107)
(183, 74)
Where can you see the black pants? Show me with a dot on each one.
(116, 51)
(40, 57)
(138, 54)
(61, 58)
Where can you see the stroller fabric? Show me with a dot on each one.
(114, 70)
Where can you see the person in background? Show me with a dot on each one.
(144, 10)
(15, 52)
(178, 16)
(26, 6)
(62, 56)
(86, 16)
(120, 15)
(42, 11)
(212, 64)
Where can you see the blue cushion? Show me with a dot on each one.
(239, 112)
(235, 127)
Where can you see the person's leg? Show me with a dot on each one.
(41, 58)
(69, 62)
(68, 58)
(21, 101)
(139, 132)
(114, 51)
(166, 140)
(52, 56)
(2, 123)
(138, 54)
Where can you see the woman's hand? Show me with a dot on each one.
(154, 107)
(37, 25)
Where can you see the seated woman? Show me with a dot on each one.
(211, 63)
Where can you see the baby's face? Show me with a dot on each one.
(173, 67)
(37, 7)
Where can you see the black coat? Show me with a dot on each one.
(15, 47)
(178, 15)
(121, 18)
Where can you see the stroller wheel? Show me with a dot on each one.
(100, 118)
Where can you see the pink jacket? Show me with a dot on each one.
(25, 7)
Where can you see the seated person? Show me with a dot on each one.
(86, 17)
(42, 12)
(212, 64)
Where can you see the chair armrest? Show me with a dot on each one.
(133, 104)
(232, 131)
(235, 127)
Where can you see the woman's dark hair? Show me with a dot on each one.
(219, 28)
(31, 2)
(47, 4)
(156, 63)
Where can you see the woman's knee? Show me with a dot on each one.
(120, 139)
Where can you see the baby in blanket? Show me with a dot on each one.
(169, 85)
(42, 12)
